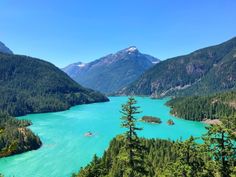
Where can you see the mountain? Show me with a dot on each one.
(112, 72)
(4, 49)
(208, 70)
(30, 85)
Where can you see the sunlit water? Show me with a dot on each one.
(65, 148)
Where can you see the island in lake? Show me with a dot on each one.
(170, 122)
(151, 119)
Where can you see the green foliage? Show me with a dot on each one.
(221, 143)
(215, 157)
(151, 119)
(132, 155)
(230, 122)
(156, 155)
(205, 71)
(218, 106)
(170, 122)
(15, 137)
(29, 85)
(191, 160)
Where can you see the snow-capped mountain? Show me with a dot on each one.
(112, 72)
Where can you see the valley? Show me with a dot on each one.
(62, 134)
(58, 117)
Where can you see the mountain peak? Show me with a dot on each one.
(112, 72)
(131, 49)
(5, 49)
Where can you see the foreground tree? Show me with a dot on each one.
(190, 160)
(134, 160)
(230, 122)
(221, 143)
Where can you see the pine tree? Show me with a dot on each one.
(189, 160)
(230, 122)
(132, 143)
(221, 144)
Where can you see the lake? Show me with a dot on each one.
(65, 148)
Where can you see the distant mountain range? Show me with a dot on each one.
(112, 72)
(205, 71)
(5, 49)
(30, 85)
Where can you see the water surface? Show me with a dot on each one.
(65, 148)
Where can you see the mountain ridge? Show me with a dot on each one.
(31, 85)
(113, 71)
(177, 75)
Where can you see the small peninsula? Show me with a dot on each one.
(15, 137)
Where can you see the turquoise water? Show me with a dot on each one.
(65, 148)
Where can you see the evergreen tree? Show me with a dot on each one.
(132, 143)
(230, 122)
(190, 160)
(222, 146)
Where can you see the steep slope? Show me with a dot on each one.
(112, 72)
(29, 85)
(211, 69)
(5, 49)
(220, 78)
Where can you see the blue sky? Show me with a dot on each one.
(64, 32)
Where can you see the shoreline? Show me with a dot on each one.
(211, 121)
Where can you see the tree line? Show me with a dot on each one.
(218, 106)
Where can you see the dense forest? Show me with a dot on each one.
(131, 156)
(29, 85)
(218, 106)
(157, 154)
(15, 137)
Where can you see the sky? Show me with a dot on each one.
(63, 32)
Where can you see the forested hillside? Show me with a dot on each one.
(157, 155)
(217, 106)
(205, 71)
(30, 85)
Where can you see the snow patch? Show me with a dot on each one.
(131, 49)
(81, 65)
(155, 62)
